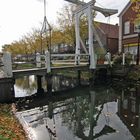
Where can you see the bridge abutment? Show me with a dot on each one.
(7, 93)
(39, 84)
(79, 77)
(48, 78)
(101, 76)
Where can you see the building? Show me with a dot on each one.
(128, 31)
(109, 35)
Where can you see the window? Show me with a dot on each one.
(136, 25)
(127, 27)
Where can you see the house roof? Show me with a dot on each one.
(125, 8)
(112, 31)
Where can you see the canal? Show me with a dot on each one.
(82, 113)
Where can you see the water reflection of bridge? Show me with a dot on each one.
(64, 104)
(89, 115)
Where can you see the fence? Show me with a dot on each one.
(7, 63)
(39, 60)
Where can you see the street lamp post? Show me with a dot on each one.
(138, 49)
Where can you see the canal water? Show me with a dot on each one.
(83, 113)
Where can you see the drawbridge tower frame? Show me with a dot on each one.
(87, 8)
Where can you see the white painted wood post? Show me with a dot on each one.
(91, 47)
(7, 62)
(77, 30)
(123, 61)
(108, 58)
(38, 60)
(48, 61)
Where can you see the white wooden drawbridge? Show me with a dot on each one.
(88, 8)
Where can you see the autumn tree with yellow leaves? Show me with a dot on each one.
(136, 9)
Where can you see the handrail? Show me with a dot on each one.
(60, 55)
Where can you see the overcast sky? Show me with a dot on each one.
(18, 17)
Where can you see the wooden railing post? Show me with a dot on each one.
(77, 59)
(38, 60)
(7, 64)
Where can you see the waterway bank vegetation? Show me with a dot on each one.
(134, 74)
(10, 129)
(131, 71)
(85, 75)
(23, 66)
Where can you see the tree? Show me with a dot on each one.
(29, 44)
(57, 36)
(14, 48)
(136, 9)
(33, 40)
(66, 24)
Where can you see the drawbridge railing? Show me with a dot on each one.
(41, 60)
(48, 61)
(9, 63)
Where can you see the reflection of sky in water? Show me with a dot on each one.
(20, 92)
(72, 113)
(27, 86)
(65, 133)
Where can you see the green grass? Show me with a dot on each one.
(23, 66)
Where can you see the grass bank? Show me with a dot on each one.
(10, 129)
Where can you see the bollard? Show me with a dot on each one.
(48, 61)
(7, 62)
(38, 60)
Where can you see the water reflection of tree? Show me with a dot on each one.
(83, 114)
(79, 111)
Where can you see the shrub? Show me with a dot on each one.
(117, 59)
